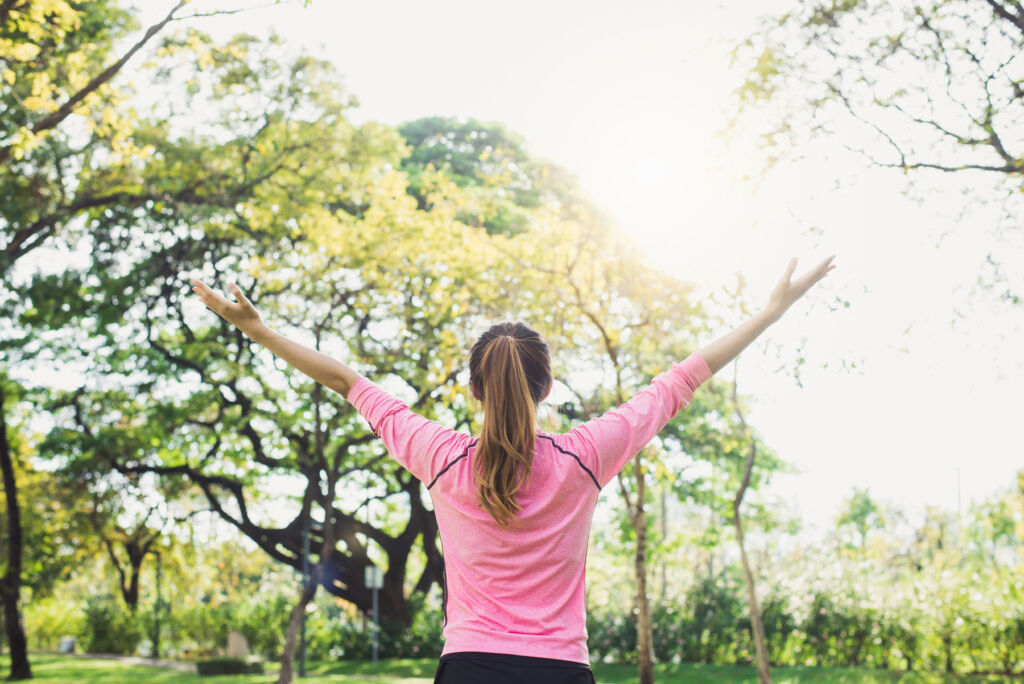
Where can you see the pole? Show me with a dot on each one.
(376, 626)
(157, 608)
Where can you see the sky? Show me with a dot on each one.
(909, 391)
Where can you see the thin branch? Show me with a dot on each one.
(219, 13)
(1001, 11)
(62, 112)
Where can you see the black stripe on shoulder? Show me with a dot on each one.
(456, 460)
(569, 453)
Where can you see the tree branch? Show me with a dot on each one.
(1017, 19)
(62, 112)
(5, 10)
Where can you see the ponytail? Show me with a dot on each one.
(510, 373)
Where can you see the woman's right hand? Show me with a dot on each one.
(788, 291)
(240, 313)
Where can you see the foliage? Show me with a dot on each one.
(49, 619)
(109, 627)
(933, 86)
(54, 537)
(227, 666)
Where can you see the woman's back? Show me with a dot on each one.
(519, 589)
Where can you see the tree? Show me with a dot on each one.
(937, 86)
(294, 177)
(10, 585)
(934, 90)
(862, 513)
(502, 184)
(63, 118)
(58, 67)
(757, 627)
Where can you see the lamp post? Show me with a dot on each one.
(374, 581)
(157, 607)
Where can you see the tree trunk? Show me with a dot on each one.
(764, 674)
(10, 585)
(294, 624)
(644, 643)
(664, 536)
(312, 583)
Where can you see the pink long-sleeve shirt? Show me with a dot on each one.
(520, 590)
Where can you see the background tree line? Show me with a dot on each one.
(393, 247)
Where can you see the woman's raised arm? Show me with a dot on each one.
(723, 350)
(329, 372)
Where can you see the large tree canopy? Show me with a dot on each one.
(391, 248)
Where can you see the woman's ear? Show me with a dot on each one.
(547, 391)
(476, 394)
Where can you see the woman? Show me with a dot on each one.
(514, 504)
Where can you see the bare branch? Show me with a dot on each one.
(1017, 19)
(220, 13)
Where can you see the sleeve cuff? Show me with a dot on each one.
(697, 368)
(357, 390)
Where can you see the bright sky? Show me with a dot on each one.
(628, 97)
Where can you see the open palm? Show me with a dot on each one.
(788, 291)
(240, 313)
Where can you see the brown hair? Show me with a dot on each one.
(510, 370)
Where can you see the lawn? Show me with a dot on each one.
(88, 671)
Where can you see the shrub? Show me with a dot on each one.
(779, 625)
(715, 626)
(47, 620)
(612, 637)
(226, 666)
(331, 633)
(109, 628)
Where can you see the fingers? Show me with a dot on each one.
(812, 277)
(824, 267)
(207, 296)
(789, 270)
(239, 297)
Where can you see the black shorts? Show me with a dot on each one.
(497, 668)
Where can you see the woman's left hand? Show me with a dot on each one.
(788, 291)
(241, 313)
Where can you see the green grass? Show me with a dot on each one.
(723, 674)
(56, 668)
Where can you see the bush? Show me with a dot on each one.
(109, 628)
(333, 634)
(47, 620)
(202, 628)
(612, 637)
(263, 622)
(779, 625)
(714, 622)
(226, 666)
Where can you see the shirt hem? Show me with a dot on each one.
(529, 645)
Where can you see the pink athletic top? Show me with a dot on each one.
(520, 590)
